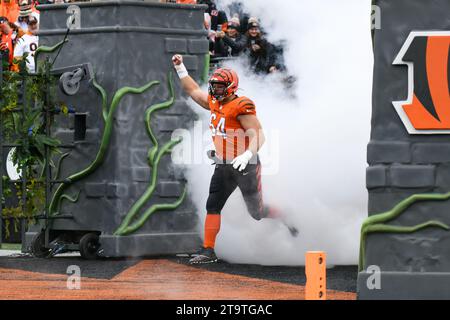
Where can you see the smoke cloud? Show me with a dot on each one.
(315, 158)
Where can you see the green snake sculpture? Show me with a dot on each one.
(130, 224)
(154, 156)
(46, 49)
(108, 114)
(377, 223)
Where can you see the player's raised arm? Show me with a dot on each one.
(189, 85)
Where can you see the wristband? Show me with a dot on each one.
(181, 71)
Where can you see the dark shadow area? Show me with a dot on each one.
(98, 269)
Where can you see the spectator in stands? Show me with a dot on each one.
(231, 43)
(8, 37)
(236, 9)
(26, 46)
(207, 21)
(260, 52)
(26, 11)
(9, 9)
(219, 18)
(215, 20)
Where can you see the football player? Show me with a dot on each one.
(238, 136)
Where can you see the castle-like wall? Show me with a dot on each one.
(128, 44)
(409, 152)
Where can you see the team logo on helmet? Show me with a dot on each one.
(427, 108)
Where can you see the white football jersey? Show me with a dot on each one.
(27, 44)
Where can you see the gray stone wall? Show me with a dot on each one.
(128, 44)
(401, 165)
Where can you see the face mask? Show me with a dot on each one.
(218, 90)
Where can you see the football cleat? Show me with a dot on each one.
(204, 256)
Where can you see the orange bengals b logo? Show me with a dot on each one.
(427, 110)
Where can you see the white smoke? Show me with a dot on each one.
(323, 135)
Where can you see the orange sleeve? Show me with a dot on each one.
(245, 107)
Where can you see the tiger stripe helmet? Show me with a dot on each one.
(227, 77)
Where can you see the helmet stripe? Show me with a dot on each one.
(228, 74)
(224, 75)
(219, 75)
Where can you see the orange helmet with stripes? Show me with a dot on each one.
(228, 79)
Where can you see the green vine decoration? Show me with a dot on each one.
(127, 227)
(154, 157)
(73, 199)
(376, 223)
(58, 166)
(205, 74)
(104, 96)
(46, 49)
(155, 208)
(53, 208)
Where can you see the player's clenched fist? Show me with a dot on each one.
(177, 59)
(179, 66)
